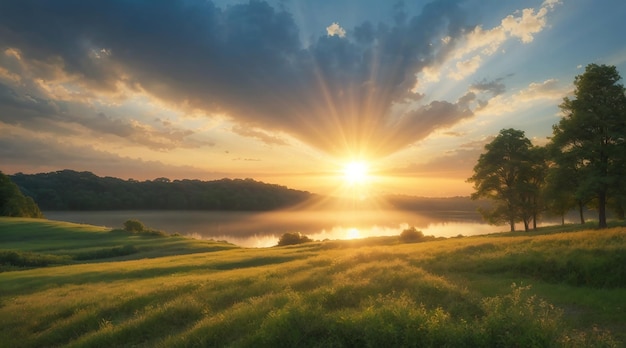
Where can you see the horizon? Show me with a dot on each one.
(349, 98)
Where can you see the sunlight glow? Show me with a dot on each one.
(355, 172)
(353, 233)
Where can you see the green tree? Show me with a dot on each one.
(563, 191)
(411, 235)
(14, 203)
(134, 225)
(591, 135)
(504, 174)
(292, 238)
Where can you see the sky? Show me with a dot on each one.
(290, 91)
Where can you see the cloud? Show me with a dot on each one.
(480, 43)
(335, 30)
(465, 68)
(457, 163)
(61, 118)
(527, 25)
(245, 61)
(495, 87)
(549, 90)
(262, 136)
(30, 154)
(338, 93)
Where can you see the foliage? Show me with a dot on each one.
(411, 235)
(589, 139)
(98, 254)
(134, 225)
(560, 191)
(71, 190)
(509, 173)
(12, 259)
(14, 203)
(293, 238)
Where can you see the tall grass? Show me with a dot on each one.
(330, 294)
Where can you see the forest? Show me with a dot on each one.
(72, 190)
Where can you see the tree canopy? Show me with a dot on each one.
(507, 174)
(14, 203)
(590, 138)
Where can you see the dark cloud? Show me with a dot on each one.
(495, 87)
(247, 61)
(55, 117)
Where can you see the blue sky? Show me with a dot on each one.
(289, 91)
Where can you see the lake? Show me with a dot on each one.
(262, 229)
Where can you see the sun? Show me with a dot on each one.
(353, 233)
(355, 172)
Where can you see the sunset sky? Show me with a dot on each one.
(289, 91)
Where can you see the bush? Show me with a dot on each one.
(134, 225)
(292, 238)
(12, 258)
(411, 235)
(107, 253)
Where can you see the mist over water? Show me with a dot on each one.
(262, 229)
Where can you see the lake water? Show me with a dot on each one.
(252, 229)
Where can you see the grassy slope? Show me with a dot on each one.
(354, 293)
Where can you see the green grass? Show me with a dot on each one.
(548, 288)
(34, 243)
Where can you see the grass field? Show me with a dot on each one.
(83, 286)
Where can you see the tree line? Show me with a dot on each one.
(582, 166)
(72, 190)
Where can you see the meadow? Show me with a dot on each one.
(72, 285)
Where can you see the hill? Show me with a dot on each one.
(548, 288)
(71, 190)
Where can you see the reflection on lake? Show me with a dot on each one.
(251, 229)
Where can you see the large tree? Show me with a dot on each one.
(504, 174)
(13, 202)
(591, 135)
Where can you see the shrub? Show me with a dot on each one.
(411, 235)
(107, 253)
(292, 238)
(17, 258)
(134, 225)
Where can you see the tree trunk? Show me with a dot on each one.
(562, 219)
(525, 225)
(602, 209)
(535, 221)
(512, 224)
(580, 211)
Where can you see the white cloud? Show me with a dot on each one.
(466, 68)
(551, 3)
(335, 29)
(527, 25)
(480, 42)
